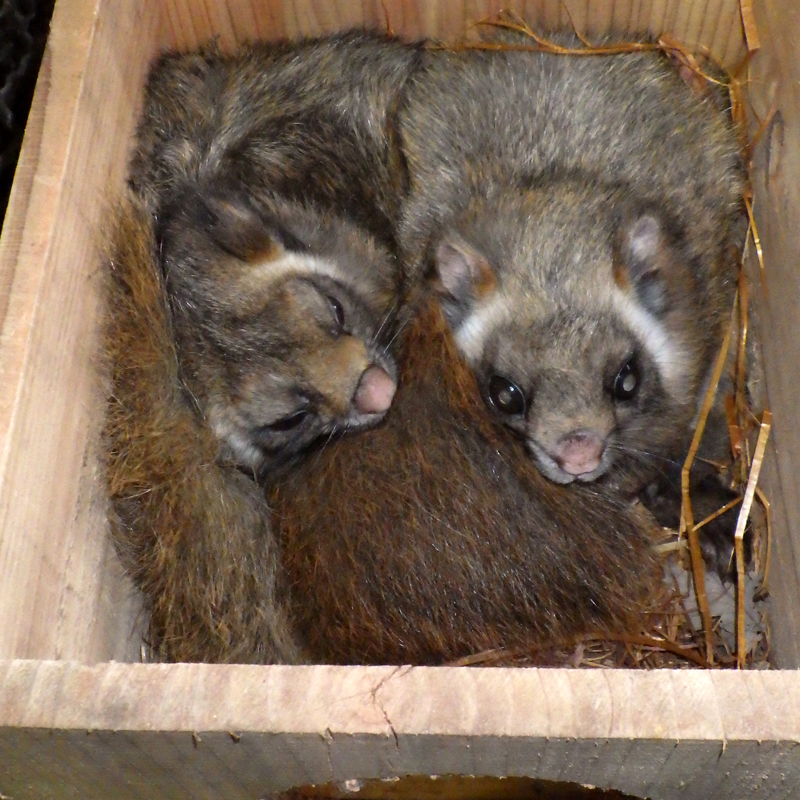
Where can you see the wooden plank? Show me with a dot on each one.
(599, 17)
(671, 16)
(183, 28)
(101, 613)
(695, 21)
(621, 17)
(715, 12)
(735, 49)
(726, 40)
(236, 730)
(658, 14)
(661, 734)
(72, 161)
(534, 12)
(315, 17)
(774, 81)
(402, 16)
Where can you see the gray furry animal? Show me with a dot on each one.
(275, 180)
(579, 215)
(430, 537)
(281, 319)
(311, 122)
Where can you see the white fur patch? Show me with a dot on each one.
(298, 263)
(645, 238)
(471, 334)
(671, 358)
(244, 451)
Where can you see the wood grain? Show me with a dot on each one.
(52, 540)
(112, 729)
(236, 21)
(774, 87)
(59, 598)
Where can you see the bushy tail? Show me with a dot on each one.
(194, 533)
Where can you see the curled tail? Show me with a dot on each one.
(194, 533)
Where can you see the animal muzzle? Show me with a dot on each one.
(375, 391)
(579, 453)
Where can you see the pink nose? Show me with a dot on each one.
(375, 392)
(579, 453)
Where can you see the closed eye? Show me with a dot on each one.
(289, 422)
(338, 312)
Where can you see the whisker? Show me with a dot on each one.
(334, 430)
(389, 314)
(399, 330)
(638, 452)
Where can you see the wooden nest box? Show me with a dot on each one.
(80, 718)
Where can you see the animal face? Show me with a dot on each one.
(580, 388)
(573, 307)
(282, 318)
(309, 363)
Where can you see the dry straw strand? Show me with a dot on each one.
(508, 20)
(718, 513)
(753, 233)
(764, 589)
(387, 19)
(686, 510)
(744, 513)
(749, 25)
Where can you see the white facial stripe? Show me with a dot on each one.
(471, 334)
(298, 263)
(670, 357)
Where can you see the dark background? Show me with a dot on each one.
(24, 25)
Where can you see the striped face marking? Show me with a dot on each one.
(472, 333)
(668, 355)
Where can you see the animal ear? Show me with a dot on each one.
(463, 275)
(238, 229)
(643, 260)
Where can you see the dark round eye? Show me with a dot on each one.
(338, 311)
(627, 381)
(506, 396)
(289, 422)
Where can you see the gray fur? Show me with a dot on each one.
(311, 121)
(569, 180)
(275, 180)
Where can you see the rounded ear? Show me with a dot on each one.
(643, 258)
(239, 230)
(463, 275)
(228, 221)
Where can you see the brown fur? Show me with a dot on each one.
(434, 536)
(194, 533)
(256, 332)
(426, 539)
